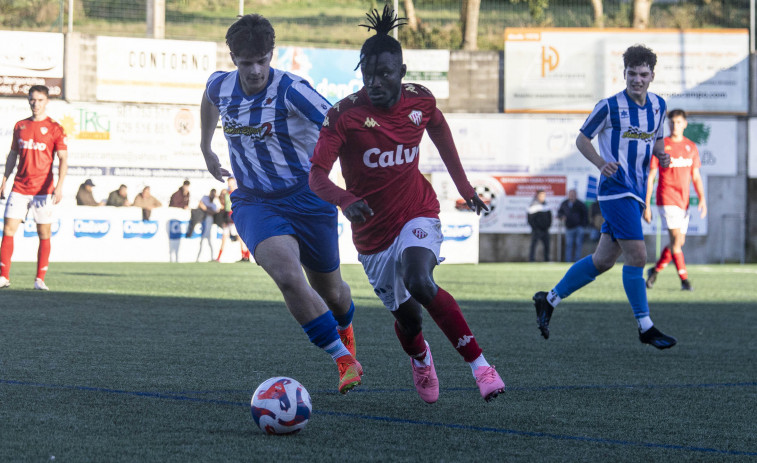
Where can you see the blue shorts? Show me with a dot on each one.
(302, 214)
(622, 218)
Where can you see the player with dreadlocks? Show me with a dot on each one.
(393, 209)
(271, 120)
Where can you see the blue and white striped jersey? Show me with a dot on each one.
(627, 133)
(271, 134)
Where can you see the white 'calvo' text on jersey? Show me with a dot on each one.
(271, 134)
(627, 133)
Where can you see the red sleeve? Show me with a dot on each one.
(14, 142)
(328, 190)
(60, 139)
(325, 154)
(440, 134)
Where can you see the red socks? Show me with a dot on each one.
(414, 347)
(680, 265)
(447, 315)
(665, 259)
(43, 258)
(6, 251)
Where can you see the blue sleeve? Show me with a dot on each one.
(301, 97)
(596, 120)
(213, 87)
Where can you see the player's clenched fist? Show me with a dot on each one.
(358, 212)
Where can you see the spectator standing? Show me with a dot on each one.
(210, 207)
(180, 198)
(118, 197)
(85, 197)
(575, 217)
(540, 219)
(147, 202)
(596, 221)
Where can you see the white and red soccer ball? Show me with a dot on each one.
(281, 405)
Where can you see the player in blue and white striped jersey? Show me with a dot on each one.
(630, 128)
(271, 121)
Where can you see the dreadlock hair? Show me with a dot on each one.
(382, 41)
(251, 33)
(639, 55)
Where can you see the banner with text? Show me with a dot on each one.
(570, 70)
(153, 71)
(30, 58)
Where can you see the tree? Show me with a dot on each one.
(641, 10)
(469, 20)
(412, 19)
(599, 16)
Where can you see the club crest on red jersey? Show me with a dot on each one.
(419, 233)
(43, 130)
(416, 116)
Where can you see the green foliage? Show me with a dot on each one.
(697, 132)
(157, 362)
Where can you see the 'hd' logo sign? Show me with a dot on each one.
(91, 228)
(144, 229)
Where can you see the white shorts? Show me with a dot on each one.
(673, 217)
(384, 268)
(18, 206)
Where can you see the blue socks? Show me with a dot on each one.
(636, 290)
(343, 321)
(322, 330)
(578, 275)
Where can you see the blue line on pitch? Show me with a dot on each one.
(598, 440)
(509, 388)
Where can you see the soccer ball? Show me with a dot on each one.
(281, 405)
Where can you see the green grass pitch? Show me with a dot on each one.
(157, 362)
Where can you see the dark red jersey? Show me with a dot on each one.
(36, 143)
(674, 180)
(378, 152)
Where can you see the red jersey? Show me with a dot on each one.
(36, 143)
(674, 181)
(378, 152)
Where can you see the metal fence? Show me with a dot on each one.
(333, 22)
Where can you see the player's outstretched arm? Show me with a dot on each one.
(648, 199)
(62, 171)
(209, 115)
(440, 134)
(354, 208)
(659, 151)
(696, 178)
(583, 143)
(10, 164)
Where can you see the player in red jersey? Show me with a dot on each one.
(36, 141)
(393, 209)
(673, 196)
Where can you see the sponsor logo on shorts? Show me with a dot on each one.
(140, 229)
(90, 228)
(30, 228)
(457, 232)
(419, 233)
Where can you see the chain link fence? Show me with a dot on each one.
(333, 23)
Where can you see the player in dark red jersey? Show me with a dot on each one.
(393, 209)
(36, 142)
(673, 196)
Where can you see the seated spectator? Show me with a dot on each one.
(181, 197)
(147, 202)
(118, 197)
(84, 196)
